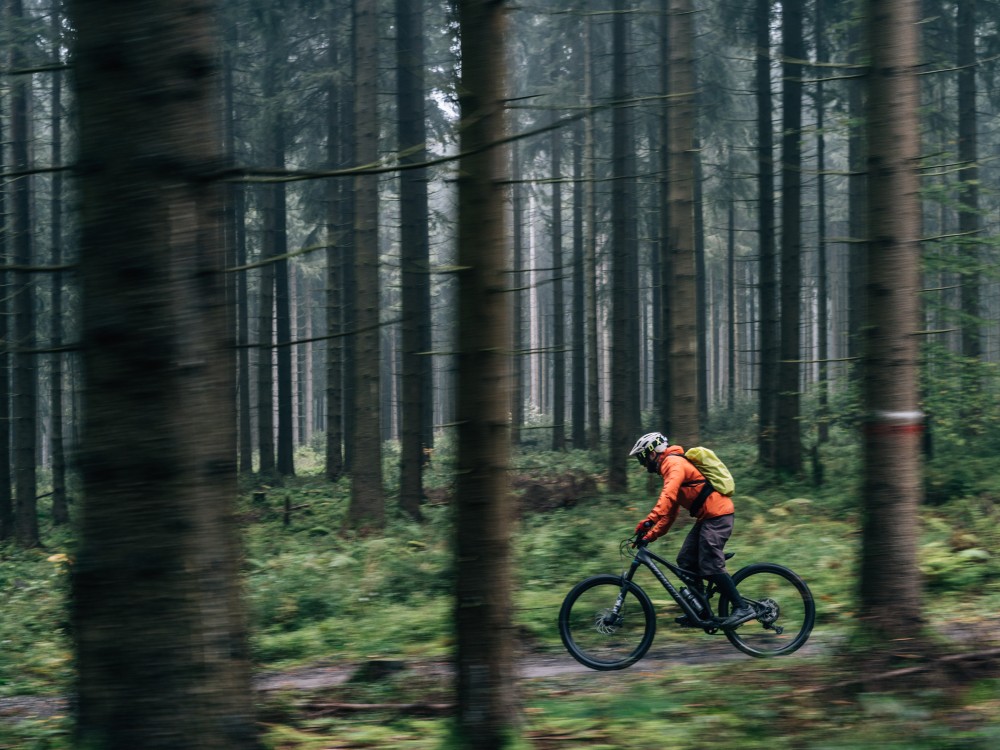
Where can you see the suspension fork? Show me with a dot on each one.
(626, 579)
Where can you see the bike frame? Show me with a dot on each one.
(644, 558)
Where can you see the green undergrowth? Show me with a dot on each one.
(317, 593)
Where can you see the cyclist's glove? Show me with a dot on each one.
(641, 528)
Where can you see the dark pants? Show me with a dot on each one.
(702, 550)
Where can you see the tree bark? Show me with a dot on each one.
(517, 313)
(968, 212)
(338, 240)
(488, 716)
(578, 387)
(367, 505)
(558, 295)
(822, 272)
(6, 498)
(768, 315)
(788, 447)
(621, 307)
(60, 501)
(890, 578)
(24, 381)
(590, 251)
(684, 391)
(161, 652)
(417, 390)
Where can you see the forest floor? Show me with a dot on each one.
(322, 676)
(683, 686)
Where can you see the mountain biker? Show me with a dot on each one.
(686, 487)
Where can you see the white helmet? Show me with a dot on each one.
(647, 445)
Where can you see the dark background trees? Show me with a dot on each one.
(644, 272)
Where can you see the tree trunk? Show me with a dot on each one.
(417, 391)
(578, 397)
(768, 310)
(6, 498)
(731, 295)
(856, 199)
(337, 239)
(24, 384)
(823, 303)
(60, 501)
(702, 292)
(590, 251)
(661, 357)
(684, 402)
(788, 448)
(890, 578)
(621, 366)
(968, 212)
(161, 652)
(236, 236)
(558, 302)
(517, 313)
(276, 236)
(488, 712)
(367, 505)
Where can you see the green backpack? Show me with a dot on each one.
(709, 464)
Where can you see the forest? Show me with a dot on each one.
(327, 327)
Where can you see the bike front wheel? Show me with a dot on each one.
(785, 610)
(607, 622)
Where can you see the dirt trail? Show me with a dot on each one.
(323, 676)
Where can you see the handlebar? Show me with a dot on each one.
(636, 539)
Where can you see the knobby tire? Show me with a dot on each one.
(594, 636)
(790, 606)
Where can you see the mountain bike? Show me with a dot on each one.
(608, 621)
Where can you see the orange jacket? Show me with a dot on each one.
(682, 483)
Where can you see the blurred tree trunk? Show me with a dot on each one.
(6, 498)
(683, 330)
(60, 502)
(621, 306)
(417, 381)
(788, 447)
(488, 713)
(367, 505)
(24, 382)
(768, 315)
(161, 652)
(890, 578)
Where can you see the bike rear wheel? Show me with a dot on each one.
(607, 622)
(785, 609)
